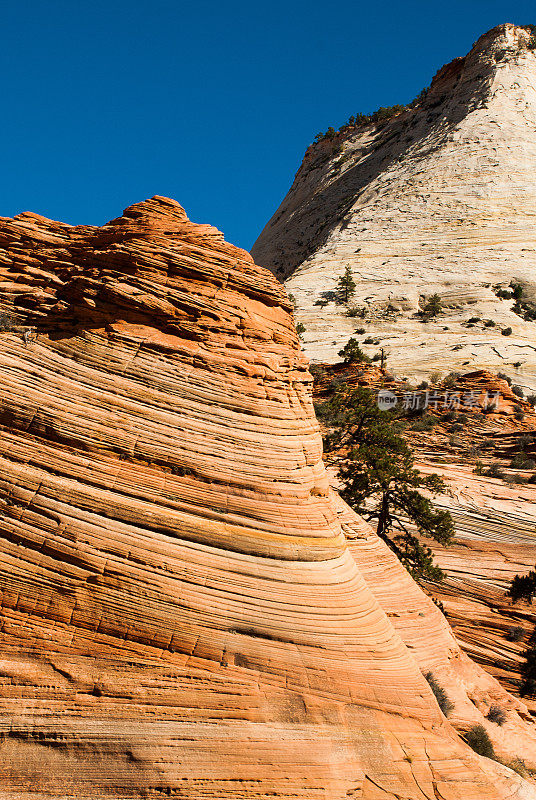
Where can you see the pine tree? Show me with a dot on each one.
(380, 481)
(346, 285)
(433, 306)
(352, 353)
(523, 587)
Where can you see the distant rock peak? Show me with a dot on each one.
(436, 198)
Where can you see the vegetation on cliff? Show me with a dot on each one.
(380, 481)
(346, 285)
(523, 587)
(381, 115)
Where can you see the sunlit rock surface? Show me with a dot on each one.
(440, 199)
(181, 613)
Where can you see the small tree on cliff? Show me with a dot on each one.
(380, 480)
(433, 306)
(346, 285)
(351, 353)
(523, 587)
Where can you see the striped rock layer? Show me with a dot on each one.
(181, 612)
(440, 199)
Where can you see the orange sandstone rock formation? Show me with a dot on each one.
(181, 614)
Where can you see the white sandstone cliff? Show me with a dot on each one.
(439, 199)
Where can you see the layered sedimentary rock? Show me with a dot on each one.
(440, 199)
(494, 540)
(494, 516)
(181, 614)
(427, 634)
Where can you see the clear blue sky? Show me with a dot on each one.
(212, 103)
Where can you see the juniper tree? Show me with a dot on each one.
(523, 587)
(352, 353)
(300, 329)
(380, 480)
(433, 306)
(346, 285)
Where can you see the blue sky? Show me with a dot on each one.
(106, 103)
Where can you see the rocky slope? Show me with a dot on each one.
(495, 540)
(494, 514)
(441, 198)
(181, 613)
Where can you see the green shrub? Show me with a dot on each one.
(351, 353)
(300, 329)
(531, 398)
(433, 306)
(426, 423)
(523, 587)
(317, 371)
(421, 97)
(477, 738)
(386, 112)
(528, 673)
(525, 310)
(496, 714)
(450, 380)
(517, 290)
(503, 376)
(518, 765)
(515, 634)
(7, 322)
(531, 44)
(180, 471)
(494, 471)
(518, 391)
(489, 323)
(358, 120)
(506, 331)
(522, 461)
(443, 701)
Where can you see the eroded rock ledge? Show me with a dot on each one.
(181, 614)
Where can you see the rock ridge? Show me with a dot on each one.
(181, 612)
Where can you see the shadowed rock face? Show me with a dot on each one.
(181, 614)
(440, 199)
